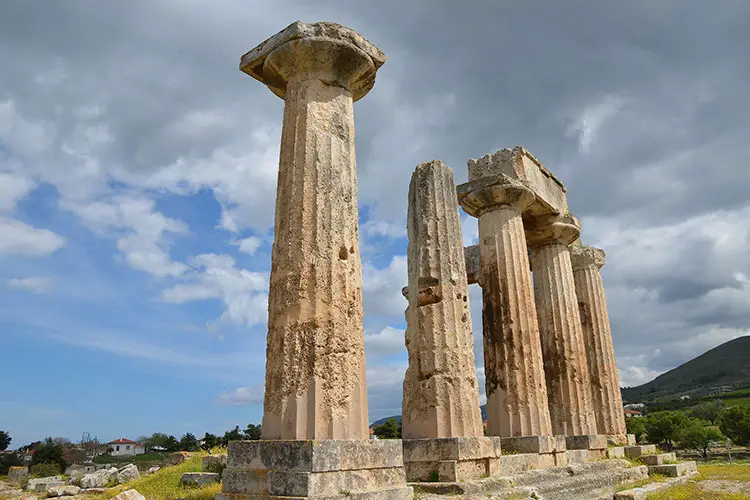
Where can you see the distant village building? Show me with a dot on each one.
(635, 406)
(124, 447)
(632, 413)
(684, 397)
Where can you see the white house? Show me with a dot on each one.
(122, 447)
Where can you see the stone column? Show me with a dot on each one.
(441, 397)
(597, 334)
(315, 366)
(565, 365)
(442, 422)
(516, 392)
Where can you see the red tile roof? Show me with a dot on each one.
(122, 441)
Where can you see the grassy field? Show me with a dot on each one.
(710, 472)
(165, 484)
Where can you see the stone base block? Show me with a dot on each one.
(586, 442)
(674, 470)
(616, 452)
(659, 458)
(577, 456)
(451, 459)
(618, 439)
(640, 450)
(362, 469)
(549, 450)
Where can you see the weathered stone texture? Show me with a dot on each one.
(315, 368)
(597, 334)
(441, 396)
(515, 387)
(568, 383)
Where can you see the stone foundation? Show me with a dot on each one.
(451, 459)
(366, 469)
(550, 450)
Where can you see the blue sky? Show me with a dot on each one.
(138, 169)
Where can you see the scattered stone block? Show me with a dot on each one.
(639, 450)
(17, 473)
(153, 469)
(214, 463)
(673, 470)
(129, 495)
(198, 479)
(128, 473)
(42, 484)
(99, 479)
(659, 458)
(177, 457)
(63, 491)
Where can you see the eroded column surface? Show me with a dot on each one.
(597, 334)
(566, 369)
(315, 367)
(514, 375)
(441, 396)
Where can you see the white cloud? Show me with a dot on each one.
(249, 245)
(36, 284)
(244, 293)
(382, 288)
(375, 227)
(243, 396)
(19, 238)
(591, 120)
(387, 341)
(13, 188)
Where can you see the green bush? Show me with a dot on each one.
(45, 469)
(215, 466)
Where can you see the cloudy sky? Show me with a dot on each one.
(138, 170)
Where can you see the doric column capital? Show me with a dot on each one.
(583, 257)
(487, 193)
(543, 230)
(325, 51)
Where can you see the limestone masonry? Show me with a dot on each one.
(553, 395)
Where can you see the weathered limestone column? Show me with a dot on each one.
(441, 419)
(516, 391)
(565, 365)
(441, 396)
(315, 437)
(597, 334)
(315, 367)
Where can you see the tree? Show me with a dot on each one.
(5, 440)
(390, 429)
(233, 435)
(49, 452)
(734, 422)
(8, 460)
(699, 437)
(252, 432)
(210, 441)
(636, 426)
(188, 442)
(708, 410)
(663, 427)
(171, 444)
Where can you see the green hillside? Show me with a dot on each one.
(712, 371)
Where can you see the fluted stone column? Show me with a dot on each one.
(441, 396)
(565, 365)
(315, 366)
(597, 334)
(515, 386)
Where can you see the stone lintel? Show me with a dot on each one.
(586, 442)
(254, 62)
(519, 164)
(535, 444)
(482, 195)
(315, 456)
(458, 448)
(582, 257)
(473, 264)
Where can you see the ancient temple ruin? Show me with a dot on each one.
(552, 387)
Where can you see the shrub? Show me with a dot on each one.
(735, 424)
(44, 469)
(8, 460)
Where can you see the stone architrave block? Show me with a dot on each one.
(473, 264)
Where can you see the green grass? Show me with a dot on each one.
(165, 484)
(691, 490)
